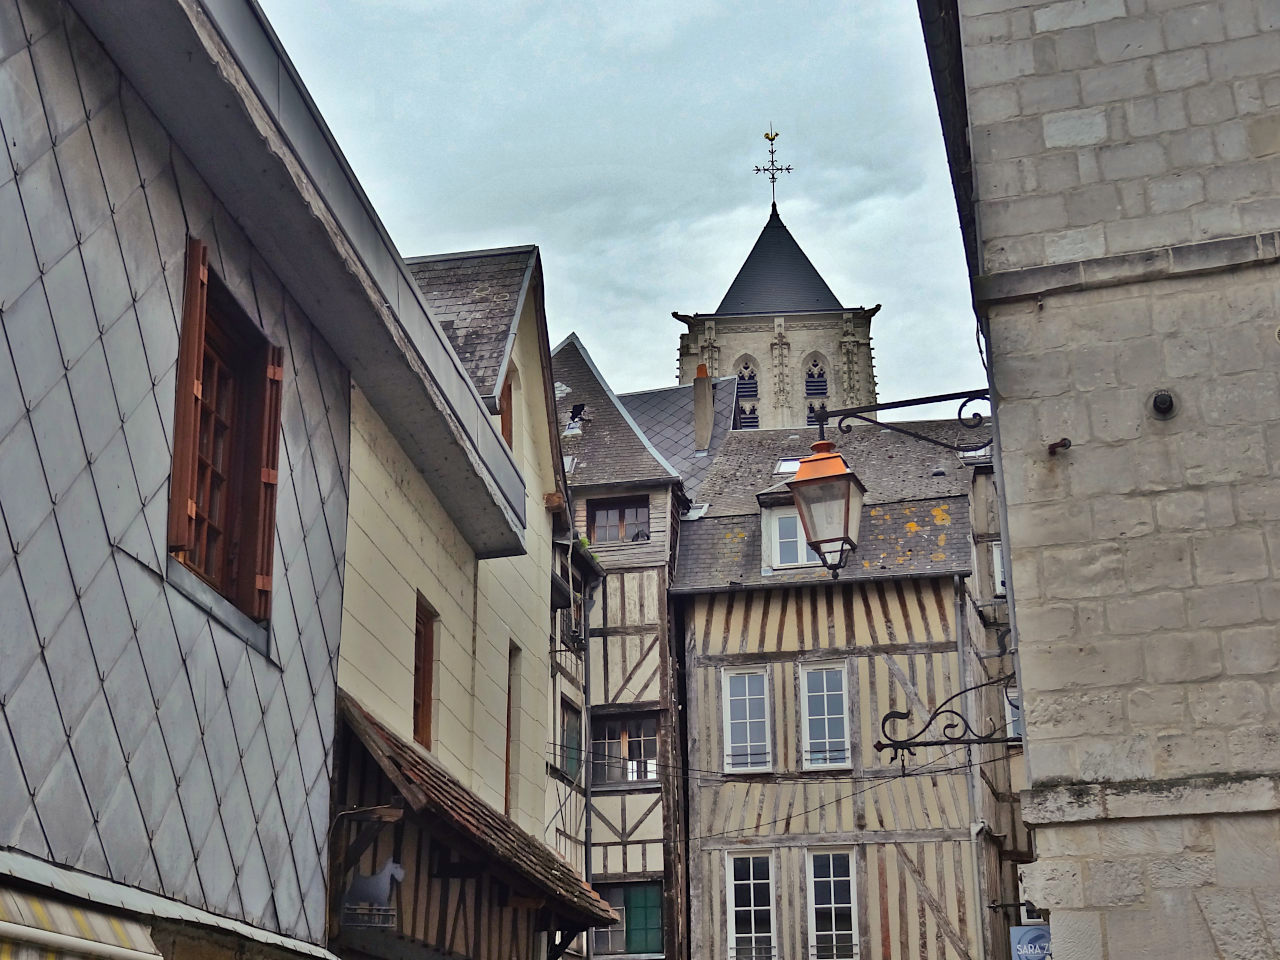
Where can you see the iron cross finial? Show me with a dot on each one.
(773, 169)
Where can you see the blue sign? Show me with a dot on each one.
(1030, 943)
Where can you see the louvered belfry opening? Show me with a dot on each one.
(226, 444)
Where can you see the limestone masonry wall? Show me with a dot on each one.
(1101, 127)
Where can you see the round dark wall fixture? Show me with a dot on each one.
(1163, 404)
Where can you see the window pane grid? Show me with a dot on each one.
(620, 523)
(639, 927)
(748, 726)
(751, 907)
(825, 717)
(624, 750)
(834, 935)
(791, 543)
(213, 454)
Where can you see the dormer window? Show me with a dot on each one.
(618, 521)
(786, 538)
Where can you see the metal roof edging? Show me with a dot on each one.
(100, 892)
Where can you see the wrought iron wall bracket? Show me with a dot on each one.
(972, 421)
(953, 726)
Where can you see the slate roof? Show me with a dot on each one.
(475, 296)
(442, 800)
(611, 447)
(915, 521)
(777, 277)
(666, 417)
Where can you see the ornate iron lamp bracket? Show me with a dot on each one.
(972, 421)
(953, 728)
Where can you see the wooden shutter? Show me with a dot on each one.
(264, 485)
(423, 672)
(186, 417)
(504, 409)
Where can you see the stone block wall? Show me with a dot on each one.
(1101, 127)
(1127, 171)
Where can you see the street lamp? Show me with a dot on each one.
(828, 498)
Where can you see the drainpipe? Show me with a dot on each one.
(603, 585)
(972, 776)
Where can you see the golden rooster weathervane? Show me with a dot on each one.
(773, 169)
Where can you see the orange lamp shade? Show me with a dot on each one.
(829, 499)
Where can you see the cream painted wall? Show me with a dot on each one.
(401, 541)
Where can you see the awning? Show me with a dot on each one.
(33, 927)
(430, 790)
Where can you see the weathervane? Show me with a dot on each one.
(773, 169)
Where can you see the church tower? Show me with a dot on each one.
(784, 334)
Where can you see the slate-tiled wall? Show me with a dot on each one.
(139, 738)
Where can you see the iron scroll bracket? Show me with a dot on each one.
(953, 728)
(972, 421)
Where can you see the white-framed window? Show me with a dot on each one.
(749, 884)
(833, 913)
(997, 570)
(746, 720)
(1013, 723)
(787, 465)
(785, 534)
(825, 711)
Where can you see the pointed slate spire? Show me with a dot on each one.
(777, 277)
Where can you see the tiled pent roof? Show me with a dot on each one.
(610, 447)
(666, 417)
(475, 296)
(440, 799)
(777, 277)
(915, 520)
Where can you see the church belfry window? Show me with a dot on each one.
(748, 394)
(815, 379)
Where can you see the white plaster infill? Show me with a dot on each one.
(1190, 796)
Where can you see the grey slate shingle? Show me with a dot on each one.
(913, 523)
(777, 277)
(610, 448)
(474, 296)
(666, 417)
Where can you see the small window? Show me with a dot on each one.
(748, 386)
(639, 926)
(746, 721)
(570, 739)
(424, 665)
(826, 716)
(750, 889)
(833, 933)
(226, 443)
(790, 547)
(624, 749)
(618, 521)
(748, 417)
(997, 570)
(787, 465)
(1014, 725)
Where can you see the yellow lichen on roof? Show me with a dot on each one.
(942, 516)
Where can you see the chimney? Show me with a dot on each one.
(703, 409)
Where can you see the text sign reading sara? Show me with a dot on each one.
(1030, 943)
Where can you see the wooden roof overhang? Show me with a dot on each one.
(443, 805)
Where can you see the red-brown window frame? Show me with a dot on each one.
(211, 321)
(424, 667)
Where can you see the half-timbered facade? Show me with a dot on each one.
(805, 840)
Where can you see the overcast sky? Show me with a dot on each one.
(621, 138)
